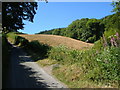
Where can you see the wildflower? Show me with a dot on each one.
(118, 37)
(111, 40)
(104, 41)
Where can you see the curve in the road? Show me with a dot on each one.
(24, 73)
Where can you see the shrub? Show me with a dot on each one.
(12, 37)
(35, 48)
(98, 65)
(23, 42)
(17, 40)
(59, 53)
(65, 55)
(38, 48)
(98, 45)
(92, 39)
(109, 60)
(102, 66)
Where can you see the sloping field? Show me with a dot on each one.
(54, 40)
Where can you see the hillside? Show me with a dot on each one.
(54, 40)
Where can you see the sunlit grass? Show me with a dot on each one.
(46, 62)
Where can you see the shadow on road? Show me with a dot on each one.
(21, 76)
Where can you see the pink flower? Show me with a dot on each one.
(117, 34)
(112, 40)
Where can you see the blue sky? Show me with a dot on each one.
(61, 14)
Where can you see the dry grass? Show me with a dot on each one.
(46, 62)
(54, 40)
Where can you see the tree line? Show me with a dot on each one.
(88, 30)
(91, 30)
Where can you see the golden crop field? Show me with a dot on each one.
(55, 40)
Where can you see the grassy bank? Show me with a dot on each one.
(93, 68)
(97, 67)
(87, 69)
(34, 48)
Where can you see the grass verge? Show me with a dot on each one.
(89, 68)
(46, 62)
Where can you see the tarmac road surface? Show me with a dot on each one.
(24, 73)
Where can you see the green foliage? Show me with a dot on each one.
(64, 55)
(38, 48)
(17, 40)
(109, 33)
(98, 44)
(14, 38)
(90, 30)
(98, 65)
(14, 13)
(109, 64)
(84, 29)
(46, 32)
(116, 6)
(62, 50)
(35, 48)
(12, 35)
(111, 22)
(22, 41)
(58, 31)
(92, 39)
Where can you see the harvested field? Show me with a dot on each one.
(55, 40)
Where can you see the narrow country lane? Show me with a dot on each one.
(24, 73)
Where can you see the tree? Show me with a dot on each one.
(13, 14)
(116, 6)
(116, 9)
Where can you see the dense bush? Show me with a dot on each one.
(23, 42)
(103, 66)
(92, 39)
(39, 48)
(99, 66)
(62, 56)
(65, 55)
(109, 60)
(17, 40)
(35, 48)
